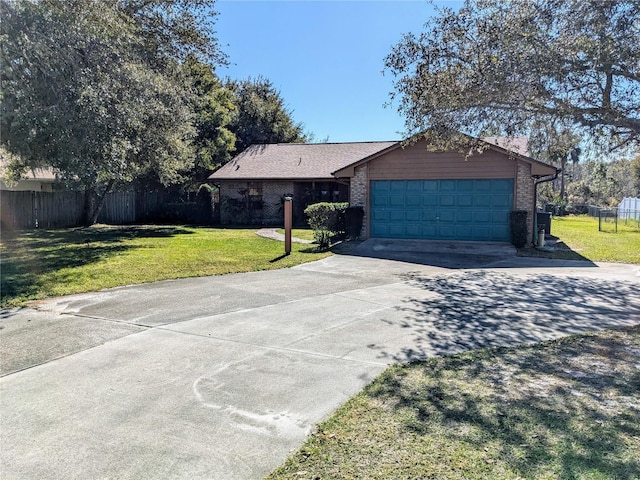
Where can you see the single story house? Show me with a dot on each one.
(38, 180)
(407, 191)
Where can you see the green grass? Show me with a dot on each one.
(565, 409)
(302, 233)
(46, 263)
(581, 240)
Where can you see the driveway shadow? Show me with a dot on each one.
(466, 311)
(450, 254)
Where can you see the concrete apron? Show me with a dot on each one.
(221, 377)
(499, 249)
(447, 254)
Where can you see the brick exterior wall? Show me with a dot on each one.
(524, 195)
(358, 194)
(272, 192)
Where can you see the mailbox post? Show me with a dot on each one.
(288, 222)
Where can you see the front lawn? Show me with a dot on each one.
(302, 233)
(564, 409)
(581, 240)
(46, 263)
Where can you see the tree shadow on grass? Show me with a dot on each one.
(572, 408)
(567, 409)
(28, 256)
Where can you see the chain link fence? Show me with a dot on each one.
(610, 218)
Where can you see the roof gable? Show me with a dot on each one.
(515, 148)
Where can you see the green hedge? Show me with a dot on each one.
(327, 220)
(518, 221)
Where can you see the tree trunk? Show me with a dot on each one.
(94, 203)
(563, 192)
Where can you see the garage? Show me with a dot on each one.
(444, 209)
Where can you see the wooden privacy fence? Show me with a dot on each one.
(29, 210)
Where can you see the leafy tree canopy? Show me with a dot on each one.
(499, 67)
(93, 88)
(261, 115)
(213, 105)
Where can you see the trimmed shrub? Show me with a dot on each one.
(353, 221)
(327, 220)
(518, 223)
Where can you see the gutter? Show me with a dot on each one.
(538, 181)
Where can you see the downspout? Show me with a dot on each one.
(538, 181)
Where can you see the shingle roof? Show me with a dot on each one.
(517, 145)
(42, 174)
(296, 160)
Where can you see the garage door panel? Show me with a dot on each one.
(464, 186)
(396, 201)
(503, 201)
(398, 186)
(464, 200)
(397, 215)
(378, 230)
(483, 216)
(429, 231)
(500, 232)
(447, 185)
(446, 231)
(396, 231)
(499, 217)
(413, 231)
(447, 200)
(379, 200)
(414, 216)
(446, 216)
(430, 200)
(442, 209)
(413, 200)
(380, 186)
(481, 201)
(414, 186)
(464, 216)
(500, 186)
(429, 186)
(483, 232)
(465, 232)
(480, 186)
(379, 216)
(429, 216)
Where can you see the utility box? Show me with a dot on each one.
(544, 219)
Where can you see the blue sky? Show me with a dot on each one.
(325, 57)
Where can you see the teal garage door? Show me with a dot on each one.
(442, 209)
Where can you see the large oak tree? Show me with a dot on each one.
(503, 67)
(95, 88)
(261, 115)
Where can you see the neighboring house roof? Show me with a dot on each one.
(296, 160)
(41, 174)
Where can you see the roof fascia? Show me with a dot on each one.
(271, 179)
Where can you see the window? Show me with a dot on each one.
(254, 195)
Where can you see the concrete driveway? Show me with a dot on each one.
(221, 377)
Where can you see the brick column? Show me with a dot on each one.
(358, 194)
(524, 195)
